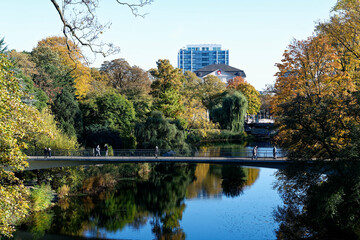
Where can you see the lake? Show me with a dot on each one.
(164, 201)
(195, 201)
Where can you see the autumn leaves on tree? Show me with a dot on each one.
(316, 100)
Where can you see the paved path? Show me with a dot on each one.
(39, 162)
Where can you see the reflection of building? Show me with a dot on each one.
(197, 56)
(222, 71)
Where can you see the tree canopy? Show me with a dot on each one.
(311, 100)
(165, 89)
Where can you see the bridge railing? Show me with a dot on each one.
(262, 154)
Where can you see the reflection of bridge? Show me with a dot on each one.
(85, 157)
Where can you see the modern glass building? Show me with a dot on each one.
(196, 56)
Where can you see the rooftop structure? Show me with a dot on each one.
(222, 71)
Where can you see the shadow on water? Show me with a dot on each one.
(94, 201)
(321, 201)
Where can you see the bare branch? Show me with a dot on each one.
(81, 25)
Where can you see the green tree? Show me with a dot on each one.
(111, 110)
(158, 131)
(3, 47)
(231, 113)
(165, 89)
(67, 113)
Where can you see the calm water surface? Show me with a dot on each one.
(248, 215)
(195, 201)
(157, 201)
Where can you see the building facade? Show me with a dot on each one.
(222, 71)
(196, 56)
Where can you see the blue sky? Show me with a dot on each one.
(255, 31)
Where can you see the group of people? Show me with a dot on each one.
(47, 152)
(97, 150)
(255, 153)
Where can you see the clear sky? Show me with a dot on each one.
(256, 32)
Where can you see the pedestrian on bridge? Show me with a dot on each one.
(45, 152)
(156, 151)
(254, 153)
(97, 151)
(106, 149)
(274, 152)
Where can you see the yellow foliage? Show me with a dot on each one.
(74, 60)
(312, 93)
(19, 124)
(57, 139)
(197, 117)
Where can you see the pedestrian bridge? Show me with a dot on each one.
(86, 157)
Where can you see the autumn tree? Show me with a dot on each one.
(99, 83)
(252, 96)
(19, 124)
(312, 95)
(165, 89)
(73, 62)
(25, 70)
(50, 75)
(191, 84)
(210, 90)
(234, 82)
(132, 82)
(195, 113)
(342, 31)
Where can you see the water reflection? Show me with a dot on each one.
(321, 201)
(96, 200)
(212, 181)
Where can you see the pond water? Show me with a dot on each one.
(195, 201)
(157, 201)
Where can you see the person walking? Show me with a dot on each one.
(97, 151)
(274, 152)
(254, 153)
(106, 149)
(49, 152)
(45, 152)
(156, 152)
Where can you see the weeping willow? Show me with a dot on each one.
(231, 113)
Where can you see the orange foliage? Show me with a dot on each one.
(235, 82)
(74, 60)
(310, 101)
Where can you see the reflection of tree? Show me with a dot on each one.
(320, 202)
(234, 180)
(207, 184)
(213, 180)
(163, 195)
(167, 226)
(111, 202)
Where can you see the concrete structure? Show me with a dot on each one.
(222, 71)
(196, 56)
